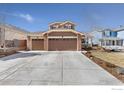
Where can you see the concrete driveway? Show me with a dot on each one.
(52, 68)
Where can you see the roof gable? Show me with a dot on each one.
(62, 23)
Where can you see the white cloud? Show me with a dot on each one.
(27, 17)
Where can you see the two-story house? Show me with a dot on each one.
(60, 36)
(110, 40)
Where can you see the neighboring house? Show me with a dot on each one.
(12, 37)
(60, 36)
(110, 40)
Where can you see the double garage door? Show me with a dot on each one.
(62, 44)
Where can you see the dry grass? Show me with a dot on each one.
(116, 58)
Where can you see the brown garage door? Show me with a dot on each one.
(37, 44)
(62, 44)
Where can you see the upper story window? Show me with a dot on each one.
(113, 34)
(68, 26)
(54, 27)
(62, 25)
(109, 34)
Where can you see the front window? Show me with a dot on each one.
(119, 42)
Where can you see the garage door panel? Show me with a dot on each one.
(62, 44)
(37, 44)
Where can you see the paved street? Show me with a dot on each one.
(52, 68)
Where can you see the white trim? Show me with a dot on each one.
(62, 36)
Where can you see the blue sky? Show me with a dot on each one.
(36, 17)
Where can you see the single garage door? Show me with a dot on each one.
(62, 44)
(37, 44)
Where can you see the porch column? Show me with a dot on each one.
(110, 42)
(101, 43)
(29, 43)
(46, 42)
(78, 43)
(104, 42)
(120, 42)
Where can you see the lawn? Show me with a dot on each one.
(116, 58)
